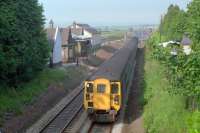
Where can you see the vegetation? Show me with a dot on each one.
(24, 49)
(163, 113)
(181, 71)
(13, 100)
(173, 23)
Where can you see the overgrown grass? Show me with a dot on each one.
(13, 100)
(163, 113)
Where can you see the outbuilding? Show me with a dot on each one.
(186, 43)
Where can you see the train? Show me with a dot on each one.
(105, 91)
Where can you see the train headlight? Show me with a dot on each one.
(89, 88)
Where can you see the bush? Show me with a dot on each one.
(163, 112)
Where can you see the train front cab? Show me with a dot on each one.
(102, 99)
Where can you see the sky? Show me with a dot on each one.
(107, 12)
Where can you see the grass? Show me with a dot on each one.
(163, 113)
(14, 100)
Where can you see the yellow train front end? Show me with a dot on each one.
(102, 99)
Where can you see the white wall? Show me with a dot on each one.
(87, 34)
(65, 54)
(57, 50)
(187, 50)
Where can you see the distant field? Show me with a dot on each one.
(113, 35)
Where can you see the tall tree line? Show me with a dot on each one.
(173, 23)
(24, 49)
(184, 70)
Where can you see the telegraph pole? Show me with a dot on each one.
(160, 28)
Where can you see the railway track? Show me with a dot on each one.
(101, 128)
(63, 121)
(66, 116)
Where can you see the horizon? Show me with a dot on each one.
(97, 14)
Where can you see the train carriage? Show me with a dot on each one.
(104, 93)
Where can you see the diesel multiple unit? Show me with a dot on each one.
(105, 91)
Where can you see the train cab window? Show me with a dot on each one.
(114, 88)
(89, 88)
(101, 88)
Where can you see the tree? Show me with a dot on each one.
(24, 49)
(173, 23)
(194, 17)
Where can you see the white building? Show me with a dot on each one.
(55, 40)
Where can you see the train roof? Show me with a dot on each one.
(112, 69)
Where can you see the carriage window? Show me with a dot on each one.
(114, 88)
(89, 87)
(101, 88)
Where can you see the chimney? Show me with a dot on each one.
(74, 24)
(70, 35)
(51, 24)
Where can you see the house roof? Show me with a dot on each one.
(51, 35)
(186, 41)
(91, 30)
(88, 28)
(65, 35)
(77, 31)
(83, 25)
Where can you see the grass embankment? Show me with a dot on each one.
(14, 100)
(163, 113)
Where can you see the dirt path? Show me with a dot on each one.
(133, 122)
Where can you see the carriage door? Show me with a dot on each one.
(116, 95)
(102, 95)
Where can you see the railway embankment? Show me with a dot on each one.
(151, 108)
(163, 112)
(133, 120)
(23, 108)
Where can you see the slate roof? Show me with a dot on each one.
(77, 31)
(65, 35)
(83, 25)
(51, 35)
(88, 28)
(91, 30)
